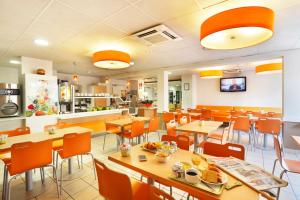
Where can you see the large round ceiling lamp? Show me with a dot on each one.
(111, 59)
(237, 28)
(269, 68)
(211, 74)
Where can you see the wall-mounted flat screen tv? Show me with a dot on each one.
(233, 84)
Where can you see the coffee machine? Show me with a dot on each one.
(10, 100)
(66, 91)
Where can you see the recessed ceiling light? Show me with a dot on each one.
(41, 42)
(16, 62)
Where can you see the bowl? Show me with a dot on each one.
(3, 138)
(192, 176)
(162, 157)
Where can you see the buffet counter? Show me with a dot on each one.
(91, 114)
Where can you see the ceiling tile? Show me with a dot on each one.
(167, 9)
(131, 20)
(97, 8)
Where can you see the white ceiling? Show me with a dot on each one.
(77, 28)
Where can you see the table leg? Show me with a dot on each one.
(28, 179)
(265, 140)
(70, 166)
(196, 142)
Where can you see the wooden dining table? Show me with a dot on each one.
(39, 137)
(199, 128)
(162, 172)
(123, 122)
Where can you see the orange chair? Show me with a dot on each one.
(73, 145)
(224, 150)
(183, 142)
(24, 157)
(242, 124)
(237, 113)
(115, 186)
(153, 127)
(287, 165)
(167, 117)
(137, 130)
(110, 129)
(268, 126)
(171, 128)
(206, 114)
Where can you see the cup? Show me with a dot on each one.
(3, 138)
(125, 150)
(192, 176)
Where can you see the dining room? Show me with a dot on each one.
(149, 100)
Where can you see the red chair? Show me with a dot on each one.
(137, 130)
(24, 157)
(153, 127)
(242, 124)
(206, 114)
(224, 150)
(183, 142)
(168, 116)
(287, 165)
(74, 145)
(268, 126)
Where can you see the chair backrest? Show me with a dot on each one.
(112, 185)
(168, 116)
(206, 114)
(76, 144)
(171, 128)
(183, 142)
(55, 126)
(137, 128)
(30, 155)
(278, 149)
(226, 150)
(237, 113)
(270, 126)
(153, 124)
(17, 132)
(241, 124)
(168, 138)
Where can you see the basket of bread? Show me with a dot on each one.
(213, 175)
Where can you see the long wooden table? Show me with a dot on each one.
(199, 128)
(38, 137)
(161, 172)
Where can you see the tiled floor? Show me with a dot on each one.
(82, 184)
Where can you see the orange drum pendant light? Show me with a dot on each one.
(211, 74)
(111, 59)
(237, 28)
(269, 68)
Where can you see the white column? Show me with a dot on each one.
(189, 91)
(162, 91)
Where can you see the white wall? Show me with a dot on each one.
(9, 74)
(30, 65)
(189, 97)
(84, 81)
(262, 90)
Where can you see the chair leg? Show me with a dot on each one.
(94, 167)
(53, 161)
(78, 162)
(171, 190)
(278, 191)
(56, 179)
(274, 165)
(81, 158)
(56, 161)
(61, 174)
(5, 179)
(104, 139)
(7, 192)
(42, 175)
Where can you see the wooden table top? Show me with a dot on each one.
(196, 127)
(126, 121)
(42, 136)
(162, 171)
(297, 139)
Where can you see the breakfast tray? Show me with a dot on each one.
(215, 189)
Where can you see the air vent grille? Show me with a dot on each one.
(157, 34)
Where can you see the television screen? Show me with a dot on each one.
(234, 84)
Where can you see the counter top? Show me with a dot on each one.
(11, 118)
(90, 114)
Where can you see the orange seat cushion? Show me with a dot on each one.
(115, 130)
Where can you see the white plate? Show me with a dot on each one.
(224, 180)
